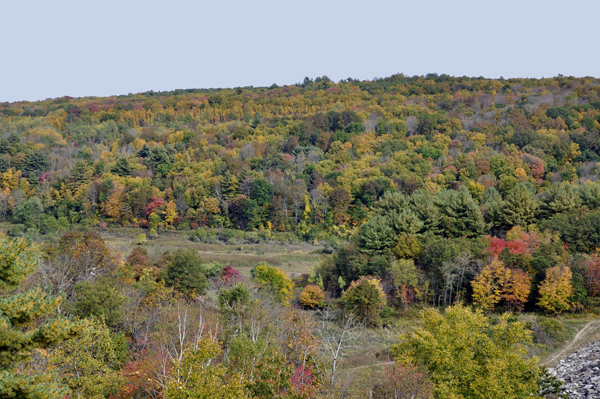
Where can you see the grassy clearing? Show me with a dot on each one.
(295, 258)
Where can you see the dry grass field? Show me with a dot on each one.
(294, 258)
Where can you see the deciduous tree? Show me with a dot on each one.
(469, 356)
(489, 285)
(556, 289)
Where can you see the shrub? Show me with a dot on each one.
(199, 235)
(312, 297)
(17, 230)
(141, 239)
(400, 381)
(98, 299)
(386, 312)
(231, 275)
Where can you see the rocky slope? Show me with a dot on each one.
(580, 372)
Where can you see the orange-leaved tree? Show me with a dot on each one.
(516, 289)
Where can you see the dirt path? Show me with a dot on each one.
(587, 329)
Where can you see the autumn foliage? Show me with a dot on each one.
(312, 296)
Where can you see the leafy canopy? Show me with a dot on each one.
(469, 356)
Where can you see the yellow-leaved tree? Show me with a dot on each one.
(198, 376)
(556, 289)
(274, 281)
(312, 297)
(170, 213)
(488, 285)
(470, 356)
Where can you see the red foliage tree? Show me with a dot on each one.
(154, 203)
(231, 275)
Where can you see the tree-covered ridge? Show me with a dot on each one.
(311, 157)
(446, 191)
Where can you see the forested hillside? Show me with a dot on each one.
(310, 158)
(425, 190)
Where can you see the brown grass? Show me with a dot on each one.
(294, 259)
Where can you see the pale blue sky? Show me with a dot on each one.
(101, 48)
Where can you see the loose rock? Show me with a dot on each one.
(580, 373)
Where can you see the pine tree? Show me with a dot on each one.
(390, 202)
(4, 146)
(144, 152)
(405, 222)
(460, 215)
(590, 194)
(520, 208)
(4, 163)
(376, 236)
(34, 163)
(18, 337)
(423, 205)
(122, 168)
(562, 198)
(80, 175)
(229, 184)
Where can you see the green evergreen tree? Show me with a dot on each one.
(159, 155)
(144, 152)
(519, 208)
(185, 271)
(590, 195)
(405, 222)
(376, 236)
(18, 336)
(29, 212)
(460, 215)
(490, 197)
(4, 163)
(423, 205)
(562, 198)
(4, 146)
(229, 184)
(14, 139)
(389, 202)
(122, 168)
(80, 174)
(34, 162)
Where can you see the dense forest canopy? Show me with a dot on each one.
(310, 158)
(398, 165)
(427, 190)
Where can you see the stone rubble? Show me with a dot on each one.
(580, 373)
